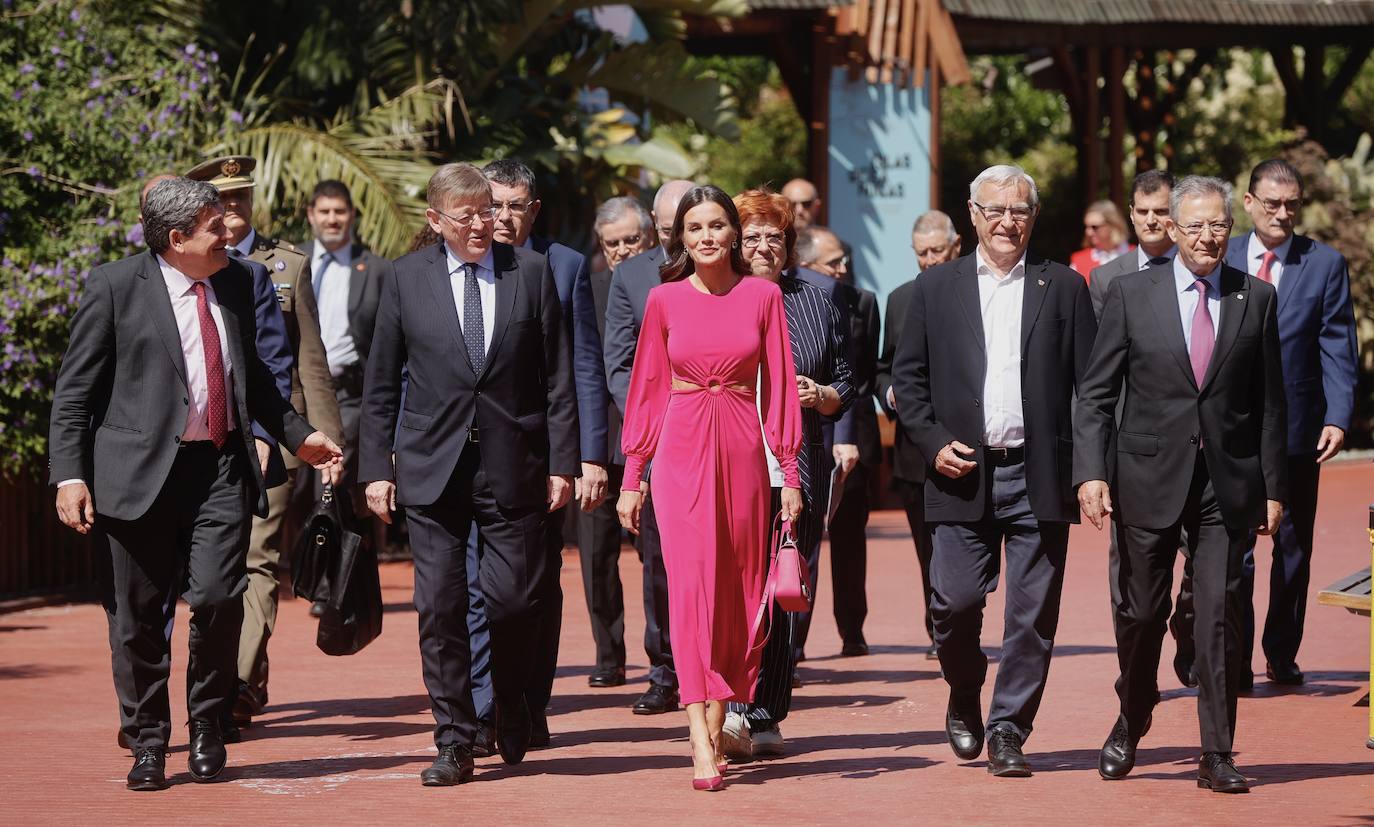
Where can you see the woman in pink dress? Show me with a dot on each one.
(710, 340)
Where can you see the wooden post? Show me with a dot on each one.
(1092, 144)
(1147, 106)
(1370, 743)
(818, 129)
(934, 98)
(1116, 140)
(1311, 113)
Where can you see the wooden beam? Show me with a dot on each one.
(923, 53)
(1068, 70)
(1287, 71)
(890, 27)
(934, 97)
(875, 30)
(948, 46)
(906, 41)
(823, 54)
(1350, 69)
(1146, 107)
(1116, 124)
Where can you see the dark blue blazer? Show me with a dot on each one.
(579, 316)
(1316, 338)
(845, 431)
(626, 295)
(274, 348)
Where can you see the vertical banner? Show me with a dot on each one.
(879, 176)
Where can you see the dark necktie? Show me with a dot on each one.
(216, 416)
(1201, 343)
(474, 336)
(318, 275)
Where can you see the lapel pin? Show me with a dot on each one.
(1040, 282)
(360, 267)
(1240, 297)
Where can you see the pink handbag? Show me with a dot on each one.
(789, 581)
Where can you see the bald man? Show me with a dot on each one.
(631, 282)
(806, 202)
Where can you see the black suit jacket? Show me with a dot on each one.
(864, 324)
(601, 291)
(938, 373)
(1239, 413)
(522, 405)
(907, 463)
(120, 405)
(366, 275)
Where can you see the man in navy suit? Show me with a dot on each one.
(516, 202)
(1317, 340)
(629, 289)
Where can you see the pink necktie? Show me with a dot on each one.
(1266, 263)
(216, 405)
(1201, 343)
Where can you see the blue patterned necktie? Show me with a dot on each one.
(474, 338)
(317, 278)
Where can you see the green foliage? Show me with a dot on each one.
(1231, 118)
(90, 110)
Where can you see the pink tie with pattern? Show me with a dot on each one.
(1202, 340)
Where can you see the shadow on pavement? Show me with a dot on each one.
(360, 731)
(803, 701)
(388, 707)
(621, 735)
(859, 767)
(1086, 759)
(33, 670)
(1263, 775)
(804, 744)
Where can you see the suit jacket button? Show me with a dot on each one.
(176, 439)
(1193, 439)
(977, 404)
(185, 401)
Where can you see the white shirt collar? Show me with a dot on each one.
(529, 244)
(245, 247)
(178, 283)
(1184, 278)
(454, 262)
(1018, 270)
(1256, 249)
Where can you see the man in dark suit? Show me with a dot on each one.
(935, 242)
(311, 395)
(624, 228)
(1193, 347)
(1149, 212)
(488, 434)
(820, 250)
(630, 284)
(1317, 340)
(170, 474)
(516, 202)
(992, 348)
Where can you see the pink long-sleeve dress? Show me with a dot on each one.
(710, 481)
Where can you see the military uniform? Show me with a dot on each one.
(312, 395)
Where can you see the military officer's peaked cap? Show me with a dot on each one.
(229, 172)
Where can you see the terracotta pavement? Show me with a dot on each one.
(345, 738)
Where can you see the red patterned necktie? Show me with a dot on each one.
(1268, 262)
(217, 404)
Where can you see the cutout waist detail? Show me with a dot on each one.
(713, 386)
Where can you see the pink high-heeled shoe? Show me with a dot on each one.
(709, 785)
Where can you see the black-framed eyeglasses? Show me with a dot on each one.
(996, 212)
(516, 208)
(486, 216)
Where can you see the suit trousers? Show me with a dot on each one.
(849, 556)
(1144, 568)
(657, 643)
(773, 693)
(479, 633)
(266, 544)
(964, 570)
(512, 571)
(913, 496)
(191, 542)
(598, 547)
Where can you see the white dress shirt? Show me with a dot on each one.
(1143, 258)
(486, 289)
(331, 299)
(1187, 299)
(1001, 298)
(1254, 257)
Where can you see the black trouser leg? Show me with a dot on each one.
(598, 547)
(549, 624)
(849, 557)
(914, 503)
(1290, 570)
(657, 643)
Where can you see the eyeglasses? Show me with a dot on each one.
(840, 262)
(486, 216)
(627, 241)
(805, 205)
(752, 241)
(1271, 205)
(516, 208)
(1219, 228)
(1092, 228)
(995, 212)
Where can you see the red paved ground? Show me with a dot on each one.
(345, 738)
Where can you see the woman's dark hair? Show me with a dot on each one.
(679, 264)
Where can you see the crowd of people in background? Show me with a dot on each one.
(718, 376)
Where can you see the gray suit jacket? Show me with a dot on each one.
(1101, 278)
(630, 286)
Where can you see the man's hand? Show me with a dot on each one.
(381, 499)
(1330, 442)
(264, 454)
(560, 489)
(1271, 519)
(846, 457)
(1096, 501)
(75, 508)
(628, 508)
(791, 504)
(591, 486)
(949, 463)
(320, 451)
(333, 475)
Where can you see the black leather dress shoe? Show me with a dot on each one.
(1287, 674)
(539, 731)
(1005, 758)
(123, 740)
(1218, 773)
(656, 701)
(1247, 680)
(452, 766)
(1118, 753)
(207, 756)
(149, 772)
(854, 649)
(1184, 656)
(247, 704)
(512, 730)
(1183, 668)
(230, 731)
(964, 728)
(484, 745)
(932, 653)
(605, 678)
